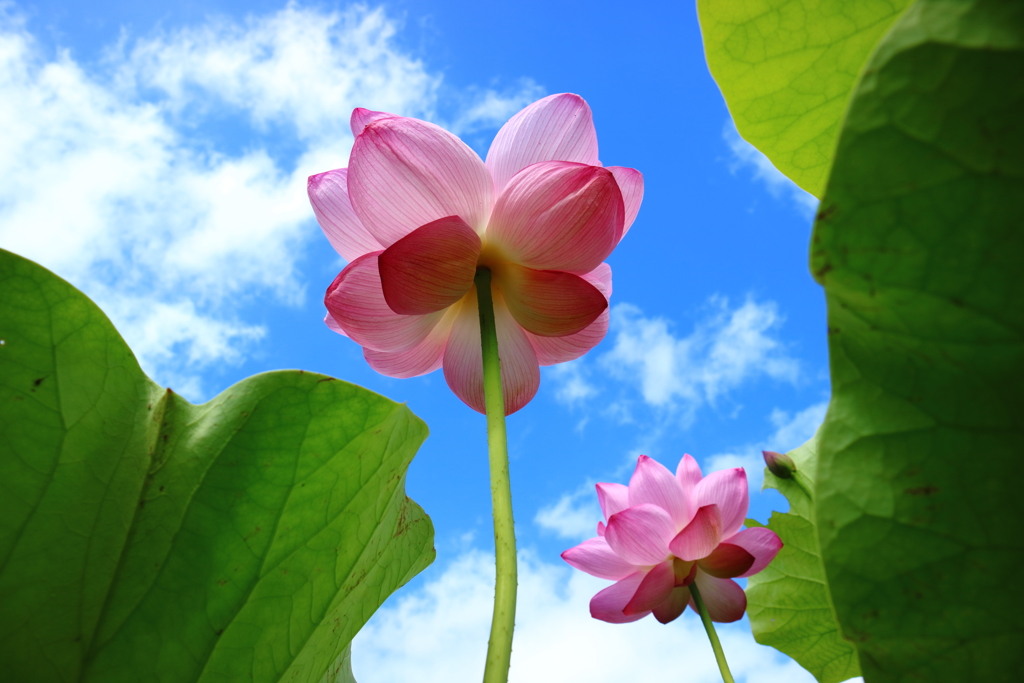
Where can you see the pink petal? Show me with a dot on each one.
(601, 277)
(631, 184)
(419, 359)
(655, 589)
(463, 360)
(652, 483)
(688, 474)
(328, 194)
(728, 490)
(557, 215)
(556, 128)
(333, 324)
(760, 542)
(548, 303)
(675, 605)
(554, 350)
(725, 600)
(430, 268)
(361, 118)
(600, 529)
(700, 537)
(727, 561)
(405, 173)
(640, 534)
(595, 557)
(612, 498)
(609, 603)
(356, 302)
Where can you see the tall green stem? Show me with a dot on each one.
(723, 666)
(499, 647)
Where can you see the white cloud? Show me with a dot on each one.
(745, 155)
(575, 515)
(121, 178)
(790, 431)
(439, 633)
(572, 381)
(729, 347)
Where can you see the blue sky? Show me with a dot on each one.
(156, 156)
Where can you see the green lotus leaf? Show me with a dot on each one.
(919, 245)
(788, 602)
(143, 538)
(786, 69)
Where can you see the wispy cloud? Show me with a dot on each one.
(575, 515)
(438, 633)
(749, 158)
(678, 374)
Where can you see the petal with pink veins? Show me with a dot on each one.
(361, 118)
(463, 360)
(727, 561)
(652, 483)
(728, 490)
(419, 359)
(609, 603)
(760, 542)
(655, 589)
(548, 303)
(333, 324)
(557, 215)
(725, 600)
(555, 128)
(688, 474)
(612, 498)
(601, 277)
(700, 537)
(328, 194)
(600, 529)
(356, 302)
(674, 606)
(554, 350)
(640, 534)
(595, 557)
(431, 268)
(631, 184)
(405, 173)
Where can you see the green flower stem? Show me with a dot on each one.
(723, 666)
(499, 647)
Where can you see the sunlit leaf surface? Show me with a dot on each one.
(143, 538)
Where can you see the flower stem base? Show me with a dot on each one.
(709, 626)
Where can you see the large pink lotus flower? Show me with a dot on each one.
(667, 532)
(417, 212)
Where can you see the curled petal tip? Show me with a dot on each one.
(779, 464)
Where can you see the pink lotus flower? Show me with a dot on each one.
(667, 532)
(417, 212)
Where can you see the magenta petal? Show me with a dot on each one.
(463, 361)
(328, 194)
(700, 537)
(727, 561)
(595, 557)
(405, 173)
(356, 302)
(760, 542)
(558, 216)
(631, 184)
(600, 529)
(609, 603)
(728, 490)
(612, 498)
(601, 277)
(549, 303)
(556, 128)
(361, 118)
(653, 590)
(652, 483)
(333, 324)
(725, 600)
(640, 534)
(554, 350)
(675, 605)
(430, 268)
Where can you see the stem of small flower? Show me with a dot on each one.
(499, 647)
(723, 666)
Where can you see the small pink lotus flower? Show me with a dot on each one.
(667, 532)
(417, 212)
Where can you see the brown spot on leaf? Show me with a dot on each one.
(922, 491)
(38, 382)
(826, 213)
(325, 379)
